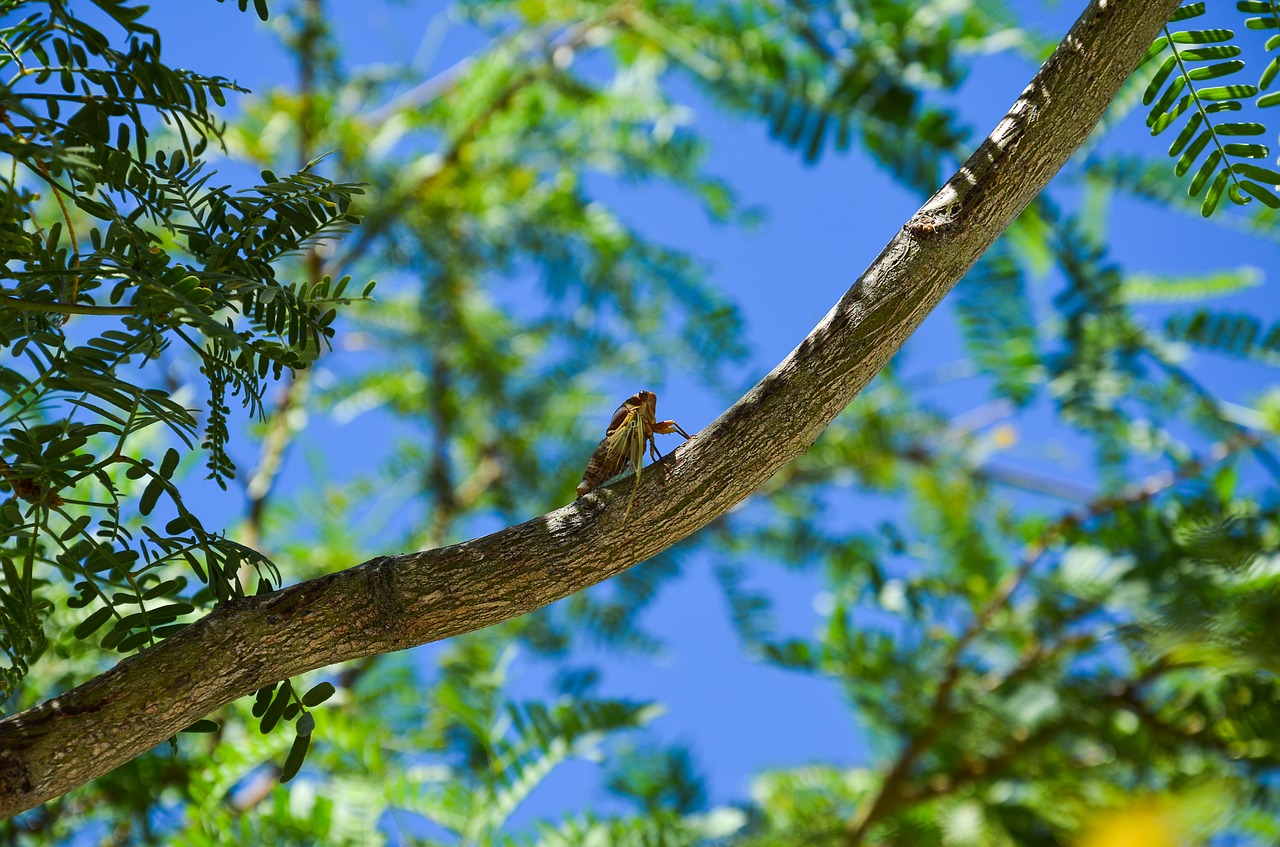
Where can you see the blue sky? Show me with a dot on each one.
(823, 225)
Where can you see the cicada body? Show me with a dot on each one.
(631, 429)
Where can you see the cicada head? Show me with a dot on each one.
(640, 403)
(648, 405)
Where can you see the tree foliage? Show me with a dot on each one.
(1025, 653)
(118, 244)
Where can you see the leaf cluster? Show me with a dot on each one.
(1192, 58)
(116, 242)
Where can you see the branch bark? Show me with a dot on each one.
(397, 602)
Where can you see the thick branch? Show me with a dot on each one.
(392, 603)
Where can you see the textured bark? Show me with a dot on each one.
(396, 602)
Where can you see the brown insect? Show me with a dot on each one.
(631, 429)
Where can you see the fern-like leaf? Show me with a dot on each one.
(1147, 179)
(1231, 333)
(1266, 16)
(1145, 288)
(1222, 166)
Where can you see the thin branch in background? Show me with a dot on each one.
(424, 93)
(1033, 483)
(552, 53)
(440, 468)
(281, 427)
(893, 794)
(389, 208)
(281, 424)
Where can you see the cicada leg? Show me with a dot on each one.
(653, 448)
(664, 428)
(667, 427)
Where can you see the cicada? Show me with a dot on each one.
(631, 429)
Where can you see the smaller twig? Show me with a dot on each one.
(439, 476)
(64, 308)
(66, 215)
(1039, 653)
(987, 767)
(392, 206)
(280, 431)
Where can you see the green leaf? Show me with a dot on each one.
(297, 755)
(1188, 131)
(306, 724)
(168, 630)
(1228, 92)
(318, 694)
(1240, 128)
(91, 624)
(1188, 158)
(1158, 80)
(262, 699)
(169, 612)
(1202, 176)
(1215, 193)
(1263, 175)
(202, 725)
(178, 525)
(1246, 151)
(165, 588)
(1204, 54)
(1202, 36)
(151, 495)
(276, 710)
(169, 463)
(1214, 71)
(75, 528)
(1166, 100)
(1157, 47)
(1225, 481)
(1266, 195)
(1145, 288)
(1269, 73)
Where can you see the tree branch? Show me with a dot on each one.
(397, 602)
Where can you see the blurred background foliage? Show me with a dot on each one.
(1033, 660)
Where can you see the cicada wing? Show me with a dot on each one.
(611, 455)
(636, 439)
